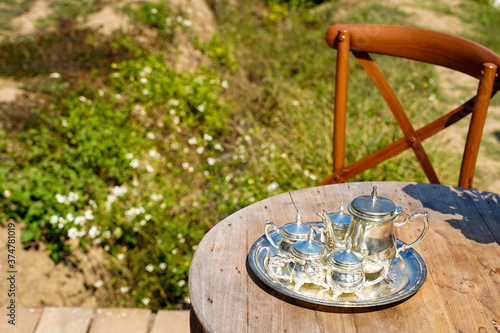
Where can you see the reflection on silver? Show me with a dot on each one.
(406, 276)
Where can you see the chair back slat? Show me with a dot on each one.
(424, 45)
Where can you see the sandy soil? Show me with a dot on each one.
(41, 282)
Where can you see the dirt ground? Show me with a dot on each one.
(77, 280)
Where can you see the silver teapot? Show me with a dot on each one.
(290, 233)
(371, 230)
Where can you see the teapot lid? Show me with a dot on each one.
(346, 258)
(340, 219)
(296, 230)
(372, 206)
(309, 249)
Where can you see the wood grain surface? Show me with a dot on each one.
(461, 251)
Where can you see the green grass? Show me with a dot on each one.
(153, 156)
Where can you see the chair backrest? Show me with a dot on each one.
(422, 45)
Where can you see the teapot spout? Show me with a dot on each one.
(328, 228)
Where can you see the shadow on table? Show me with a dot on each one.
(316, 307)
(469, 207)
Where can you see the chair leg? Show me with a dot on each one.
(477, 125)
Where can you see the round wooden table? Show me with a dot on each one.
(461, 252)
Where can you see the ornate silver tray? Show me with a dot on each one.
(406, 276)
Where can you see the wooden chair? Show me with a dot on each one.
(423, 45)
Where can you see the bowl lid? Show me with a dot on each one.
(296, 230)
(340, 219)
(309, 249)
(346, 258)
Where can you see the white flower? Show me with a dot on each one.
(150, 135)
(92, 203)
(154, 11)
(211, 160)
(72, 196)
(192, 141)
(200, 150)
(174, 251)
(98, 284)
(217, 146)
(156, 197)
(154, 154)
(185, 165)
(146, 301)
(116, 75)
(118, 191)
(80, 220)
(100, 92)
(145, 91)
(173, 102)
(118, 96)
(207, 137)
(187, 23)
(163, 266)
(149, 168)
(201, 108)
(64, 123)
(55, 75)
(224, 84)
(72, 233)
(143, 80)
(272, 187)
(81, 233)
(150, 268)
(69, 217)
(190, 169)
(129, 156)
(7, 193)
(181, 283)
(124, 290)
(93, 232)
(54, 219)
(120, 256)
(295, 103)
(82, 99)
(163, 205)
(107, 234)
(89, 215)
(134, 164)
(176, 120)
(60, 198)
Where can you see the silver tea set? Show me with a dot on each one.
(347, 254)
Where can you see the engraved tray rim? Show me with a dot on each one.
(417, 280)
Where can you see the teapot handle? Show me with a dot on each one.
(380, 278)
(276, 261)
(425, 219)
(270, 224)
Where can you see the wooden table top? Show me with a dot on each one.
(461, 252)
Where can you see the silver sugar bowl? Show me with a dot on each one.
(308, 262)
